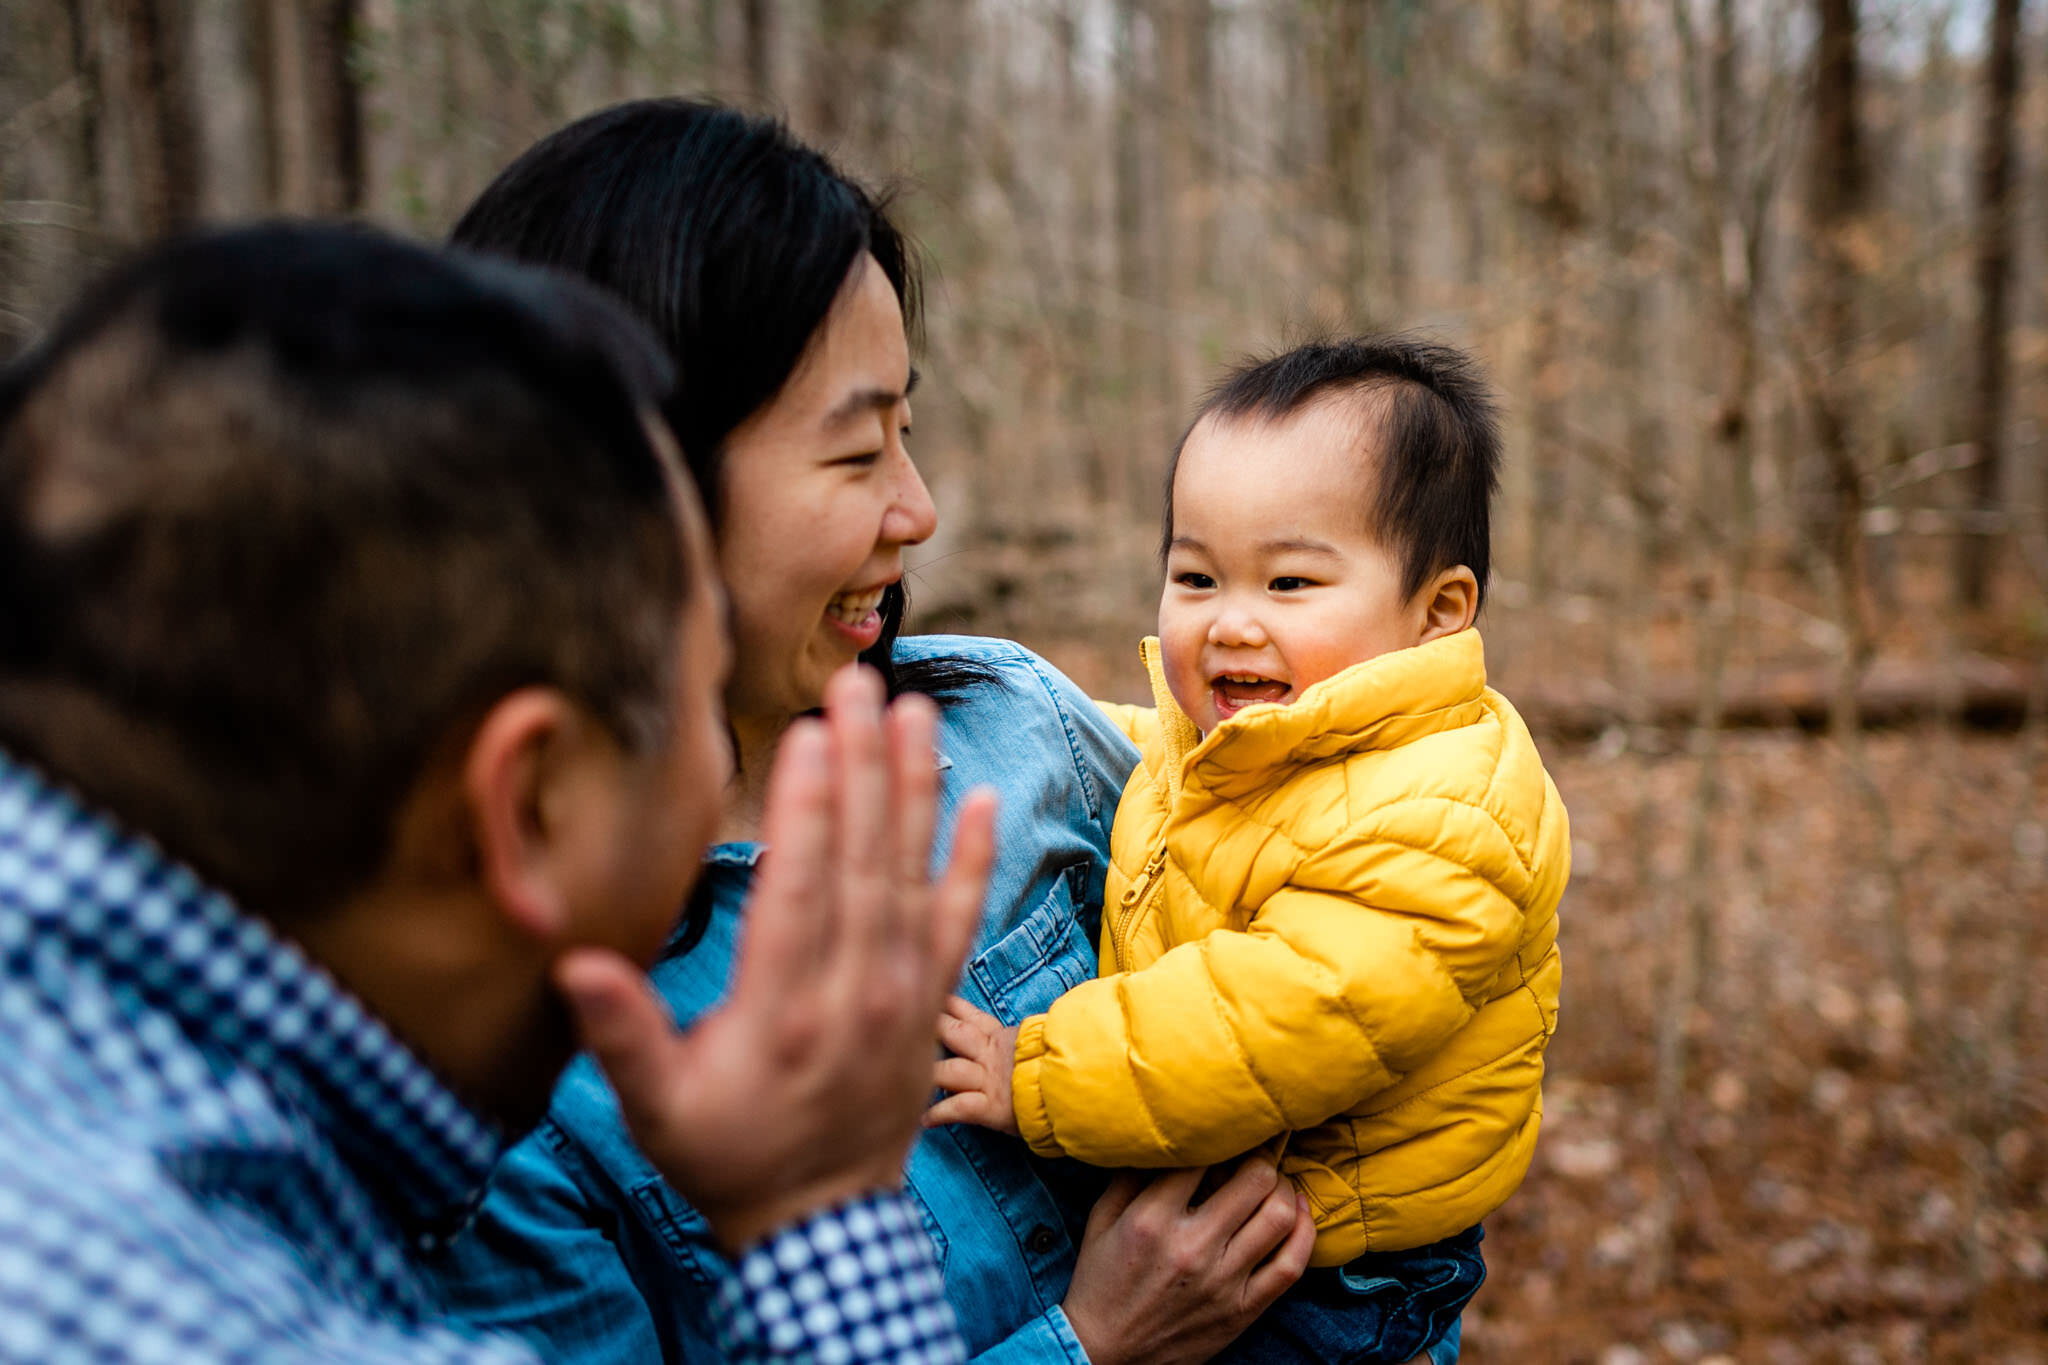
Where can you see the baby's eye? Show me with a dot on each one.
(1201, 582)
(1289, 583)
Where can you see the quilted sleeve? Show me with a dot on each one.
(1322, 1001)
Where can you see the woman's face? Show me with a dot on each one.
(820, 497)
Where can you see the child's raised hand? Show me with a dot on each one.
(976, 1078)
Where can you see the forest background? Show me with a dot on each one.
(1764, 291)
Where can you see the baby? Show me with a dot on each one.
(1330, 924)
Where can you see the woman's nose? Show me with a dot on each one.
(911, 517)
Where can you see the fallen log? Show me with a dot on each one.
(1975, 692)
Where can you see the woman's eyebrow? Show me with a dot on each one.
(867, 400)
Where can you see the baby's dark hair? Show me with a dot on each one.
(1439, 438)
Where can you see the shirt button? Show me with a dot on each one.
(1041, 1241)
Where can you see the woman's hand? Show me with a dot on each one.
(804, 1089)
(1160, 1282)
(976, 1078)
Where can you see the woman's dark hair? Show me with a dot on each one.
(732, 239)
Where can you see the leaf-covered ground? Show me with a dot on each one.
(1855, 1181)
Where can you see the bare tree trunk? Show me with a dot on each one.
(227, 110)
(1977, 546)
(1179, 272)
(335, 106)
(1081, 319)
(86, 67)
(1837, 188)
(315, 104)
(1136, 218)
(1720, 582)
(760, 27)
(1204, 136)
(1397, 154)
(148, 179)
(1550, 204)
(1347, 111)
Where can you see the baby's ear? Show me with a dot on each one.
(1450, 603)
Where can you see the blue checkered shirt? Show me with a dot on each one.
(211, 1152)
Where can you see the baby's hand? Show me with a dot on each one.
(977, 1076)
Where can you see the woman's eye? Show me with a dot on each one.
(1289, 583)
(1198, 581)
(860, 461)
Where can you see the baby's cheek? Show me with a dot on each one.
(1190, 691)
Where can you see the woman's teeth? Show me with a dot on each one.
(855, 607)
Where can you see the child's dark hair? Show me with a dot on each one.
(1439, 446)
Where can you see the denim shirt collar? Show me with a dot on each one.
(73, 883)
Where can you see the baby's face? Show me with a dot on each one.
(1273, 581)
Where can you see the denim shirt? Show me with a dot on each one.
(581, 1247)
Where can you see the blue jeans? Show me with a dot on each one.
(1382, 1309)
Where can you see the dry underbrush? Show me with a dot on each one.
(1851, 1187)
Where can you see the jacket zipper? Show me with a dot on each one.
(1133, 900)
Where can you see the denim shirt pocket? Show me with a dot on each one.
(682, 1230)
(940, 1243)
(1045, 956)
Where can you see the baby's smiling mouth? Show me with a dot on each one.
(1233, 692)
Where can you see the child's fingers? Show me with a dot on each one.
(960, 1075)
(969, 1107)
(963, 1038)
(960, 1007)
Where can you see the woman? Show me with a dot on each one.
(787, 298)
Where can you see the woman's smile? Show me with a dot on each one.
(856, 615)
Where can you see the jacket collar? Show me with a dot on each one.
(1381, 703)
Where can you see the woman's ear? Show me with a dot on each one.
(1450, 603)
(524, 761)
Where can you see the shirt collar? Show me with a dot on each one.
(74, 880)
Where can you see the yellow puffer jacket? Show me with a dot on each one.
(1335, 920)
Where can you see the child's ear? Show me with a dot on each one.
(1450, 602)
